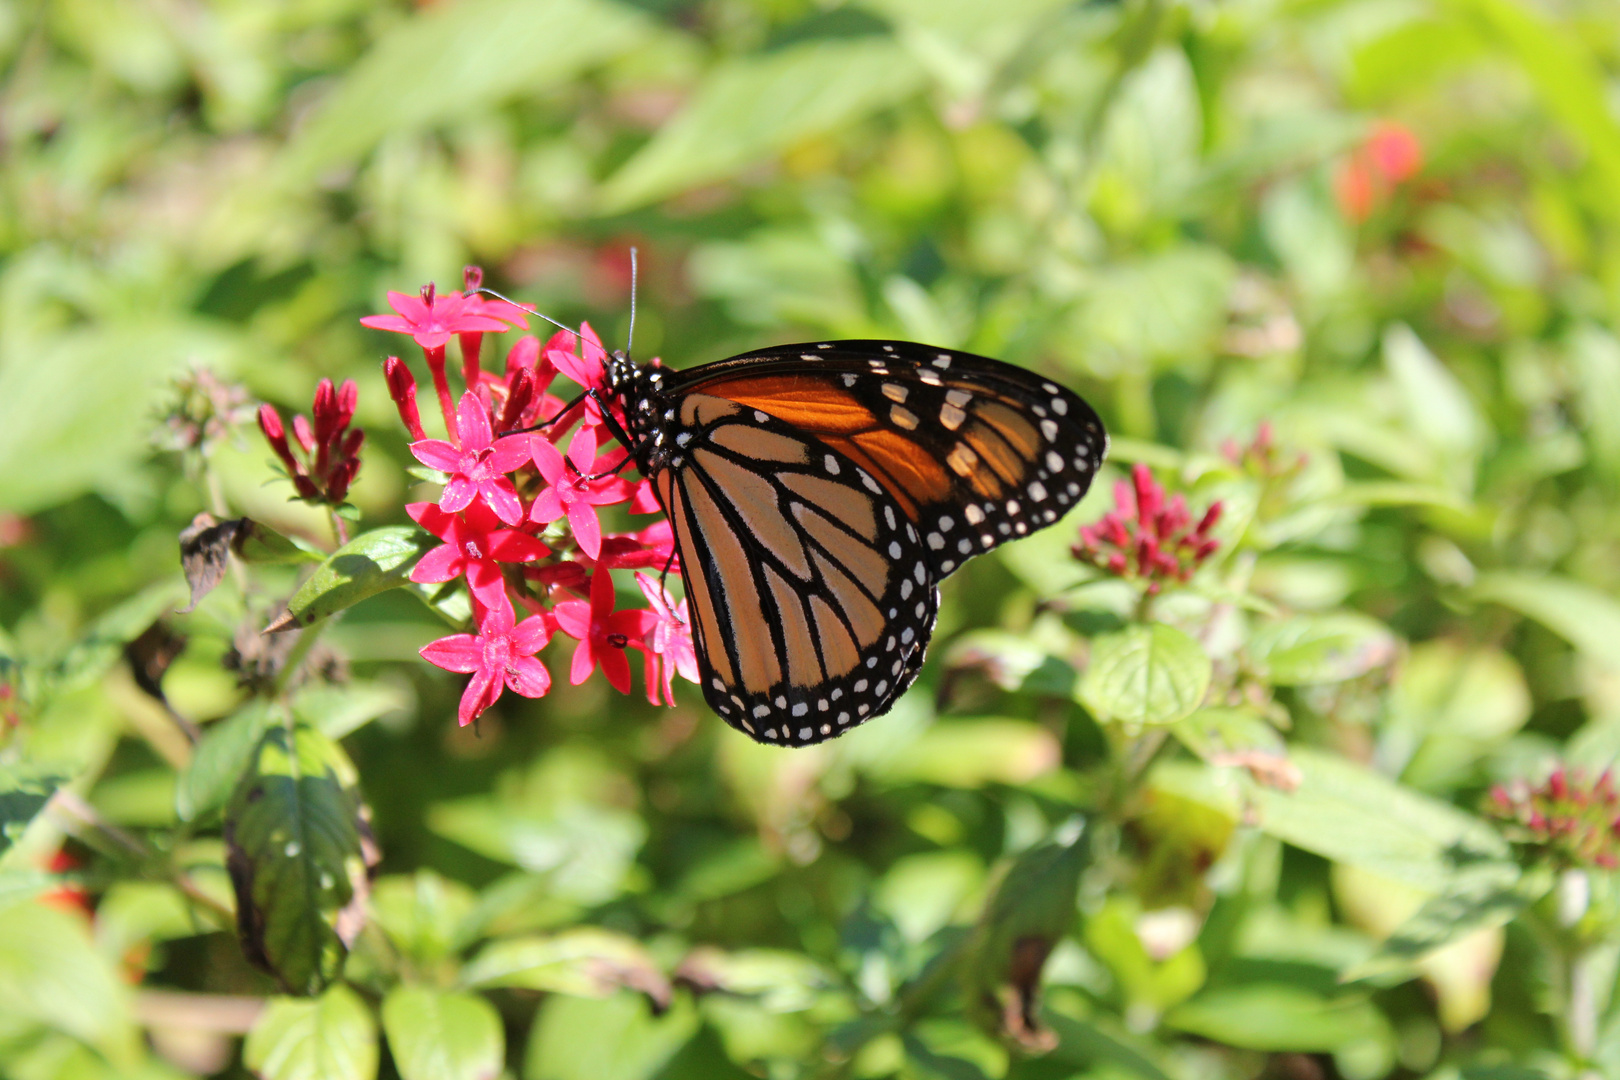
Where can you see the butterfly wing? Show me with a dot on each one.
(818, 492)
(810, 591)
(976, 452)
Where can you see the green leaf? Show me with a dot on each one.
(443, 1035)
(776, 980)
(102, 644)
(752, 107)
(1348, 814)
(24, 791)
(1581, 615)
(1159, 307)
(340, 709)
(221, 755)
(615, 1038)
(423, 914)
(1281, 1018)
(584, 961)
(973, 753)
(1152, 674)
(455, 61)
(1032, 907)
(1311, 649)
(298, 852)
(52, 974)
(1565, 73)
(1473, 900)
(371, 563)
(93, 438)
(1437, 407)
(332, 1037)
(1086, 1042)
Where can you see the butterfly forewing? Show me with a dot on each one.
(810, 592)
(977, 452)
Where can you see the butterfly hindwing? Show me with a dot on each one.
(810, 592)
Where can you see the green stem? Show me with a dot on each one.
(295, 657)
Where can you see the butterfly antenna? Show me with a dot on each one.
(630, 337)
(520, 307)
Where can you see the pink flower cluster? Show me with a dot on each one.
(1569, 817)
(518, 515)
(329, 450)
(1147, 538)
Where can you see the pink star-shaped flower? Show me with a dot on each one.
(500, 656)
(474, 546)
(478, 467)
(431, 320)
(576, 492)
(603, 633)
(670, 642)
(651, 548)
(587, 367)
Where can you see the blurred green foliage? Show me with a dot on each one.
(1388, 229)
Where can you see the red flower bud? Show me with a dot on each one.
(1149, 495)
(402, 388)
(1211, 518)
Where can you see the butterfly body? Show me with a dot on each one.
(819, 492)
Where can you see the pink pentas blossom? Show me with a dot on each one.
(506, 477)
(577, 485)
(477, 462)
(474, 547)
(603, 633)
(670, 647)
(500, 656)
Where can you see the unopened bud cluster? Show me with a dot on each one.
(1569, 817)
(328, 454)
(1146, 537)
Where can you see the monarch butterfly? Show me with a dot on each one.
(819, 492)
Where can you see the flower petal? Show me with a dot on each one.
(587, 529)
(457, 494)
(472, 424)
(482, 692)
(437, 454)
(502, 497)
(528, 676)
(458, 652)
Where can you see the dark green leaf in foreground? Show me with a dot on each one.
(438, 1035)
(371, 563)
(1031, 909)
(298, 850)
(1153, 674)
(331, 1037)
(24, 791)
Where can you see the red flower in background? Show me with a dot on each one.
(1146, 537)
(1569, 818)
(1389, 156)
